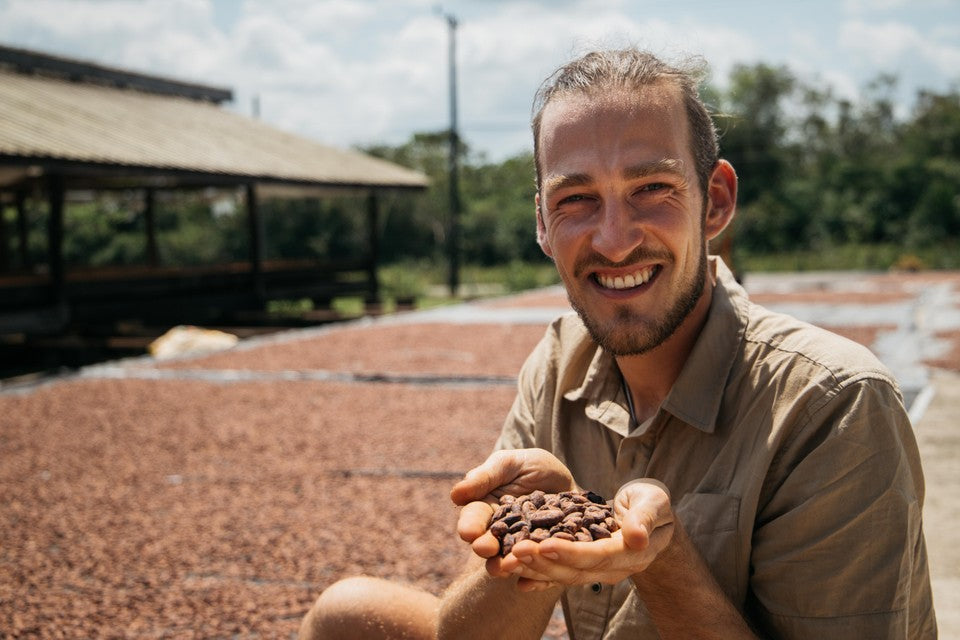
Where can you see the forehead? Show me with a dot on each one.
(652, 117)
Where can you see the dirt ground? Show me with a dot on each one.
(216, 496)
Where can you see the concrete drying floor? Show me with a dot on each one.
(216, 496)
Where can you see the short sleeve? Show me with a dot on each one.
(519, 427)
(838, 547)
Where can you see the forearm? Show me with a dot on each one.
(683, 598)
(481, 606)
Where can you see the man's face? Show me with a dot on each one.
(620, 212)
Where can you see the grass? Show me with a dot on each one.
(428, 281)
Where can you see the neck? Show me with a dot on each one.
(650, 376)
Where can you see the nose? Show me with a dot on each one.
(618, 231)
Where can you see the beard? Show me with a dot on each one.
(628, 334)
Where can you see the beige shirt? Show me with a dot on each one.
(789, 457)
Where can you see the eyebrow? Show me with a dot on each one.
(666, 165)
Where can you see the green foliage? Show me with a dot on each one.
(408, 279)
(496, 218)
(819, 173)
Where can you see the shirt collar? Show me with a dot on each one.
(603, 391)
(698, 391)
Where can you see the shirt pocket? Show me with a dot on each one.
(711, 521)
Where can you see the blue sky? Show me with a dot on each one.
(355, 72)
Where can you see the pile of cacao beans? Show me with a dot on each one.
(570, 515)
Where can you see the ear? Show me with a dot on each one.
(541, 228)
(721, 199)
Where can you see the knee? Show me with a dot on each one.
(366, 608)
(337, 609)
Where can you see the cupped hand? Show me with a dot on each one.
(514, 472)
(642, 507)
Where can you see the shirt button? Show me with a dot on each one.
(596, 587)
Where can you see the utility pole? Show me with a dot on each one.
(453, 229)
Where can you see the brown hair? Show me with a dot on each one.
(633, 69)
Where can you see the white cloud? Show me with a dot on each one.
(364, 71)
(887, 44)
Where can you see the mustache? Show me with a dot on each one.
(592, 261)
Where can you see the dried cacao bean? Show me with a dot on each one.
(570, 515)
(499, 528)
(545, 518)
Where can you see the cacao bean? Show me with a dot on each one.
(518, 526)
(539, 535)
(500, 511)
(537, 516)
(545, 518)
(598, 531)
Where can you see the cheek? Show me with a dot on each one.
(562, 240)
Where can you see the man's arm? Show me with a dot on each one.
(482, 606)
(652, 548)
(488, 600)
(683, 598)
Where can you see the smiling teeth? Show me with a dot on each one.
(625, 282)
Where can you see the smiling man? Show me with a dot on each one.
(763, 472)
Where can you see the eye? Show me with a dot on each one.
(654, 186)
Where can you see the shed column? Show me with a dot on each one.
(149, 221)
(256, 243)
(373, 240)
(57, 194)
(4, 240)
(22, 233)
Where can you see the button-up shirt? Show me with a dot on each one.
(789, 457)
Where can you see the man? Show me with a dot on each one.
(764, 472)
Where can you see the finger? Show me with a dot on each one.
(639, 526)
(486, 546)
(527, 573)
(496, 567)
(642, 506)
(661, 537)
(496, 470)
(527, 585)
(577, 555)
(473, 521)
(635, 531)
(519, 559)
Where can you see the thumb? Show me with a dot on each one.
(642, 506)
(636, 528)
(481, 481)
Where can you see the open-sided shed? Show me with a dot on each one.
(70, 126)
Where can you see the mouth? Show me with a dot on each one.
(626, 281)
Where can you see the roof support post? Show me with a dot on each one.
(373, 248)
(57, 195)
(255, 226)
(22, 233)
(4, 240)
(149, 221)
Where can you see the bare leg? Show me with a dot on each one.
(368, 608)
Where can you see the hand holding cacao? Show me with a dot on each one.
(570, 515)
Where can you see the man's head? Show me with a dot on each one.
(630, 190)
(601, 72)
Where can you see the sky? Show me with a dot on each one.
(363, 72)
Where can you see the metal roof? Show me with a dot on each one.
(50, 120)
